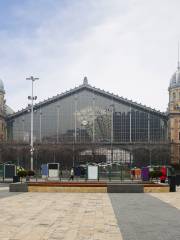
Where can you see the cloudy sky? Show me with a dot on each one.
(128, 47)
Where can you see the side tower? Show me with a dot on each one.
(2, 113)
(174, 115)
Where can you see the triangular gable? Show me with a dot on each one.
(94, 90)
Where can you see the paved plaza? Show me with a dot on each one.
(89, 216)
(58, 216)
(146, 217)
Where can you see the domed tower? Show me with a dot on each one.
(2, 113)
(174, 115)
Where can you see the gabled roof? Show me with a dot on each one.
(86, 86)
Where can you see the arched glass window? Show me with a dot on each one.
(174, 96)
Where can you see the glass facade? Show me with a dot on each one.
(88, 115)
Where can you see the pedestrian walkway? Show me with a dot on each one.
(172, 198)
(144, 217)
(67, 216)
(4, 191)
(89, 216)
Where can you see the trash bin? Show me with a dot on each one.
(27, 178)
(172, 184)
(177, 180)
(16, 179)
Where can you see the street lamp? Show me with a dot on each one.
(112, 130)
(58, 119)
(93, 119)
(23, 120)
(40, 126)
(75, 120)
(32, 98)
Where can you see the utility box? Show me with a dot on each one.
(93, 172)
(9, 171)
(53, 170)
(1, 171)
(145, 174)
(44, 170)
(16, 179)
(172, 184)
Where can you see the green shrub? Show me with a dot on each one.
(22, 173)
(158, 174)
(155, 174)
(152, 174)
(30, 173)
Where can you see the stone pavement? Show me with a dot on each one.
(172, 198)
(89, 216)
(67, 216)
(4, 191)
(144, 217)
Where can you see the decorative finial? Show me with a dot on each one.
(85, 81)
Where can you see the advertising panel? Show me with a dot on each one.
(93, 173)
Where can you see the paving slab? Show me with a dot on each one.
(144, 217)
(50, 216)
(4, 192)
(172, 198)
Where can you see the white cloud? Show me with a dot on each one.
(125, 47)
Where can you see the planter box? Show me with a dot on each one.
(125, 188)
(18, 187)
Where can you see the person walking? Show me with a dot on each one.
(72, 174)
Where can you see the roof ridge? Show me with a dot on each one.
(128, 100)
(88, 86)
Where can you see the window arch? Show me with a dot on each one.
(174, 96)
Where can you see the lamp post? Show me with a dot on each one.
(75, 119)
(32, 98)
(112, 130)
(150, 157)
(40, 126)
(23, 120)
(93, 119)
(75, 128)
(58, 119)
(73, 152)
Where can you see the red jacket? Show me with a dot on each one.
(164, 173)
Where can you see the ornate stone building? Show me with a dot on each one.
(2, 113)
(174, 116)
